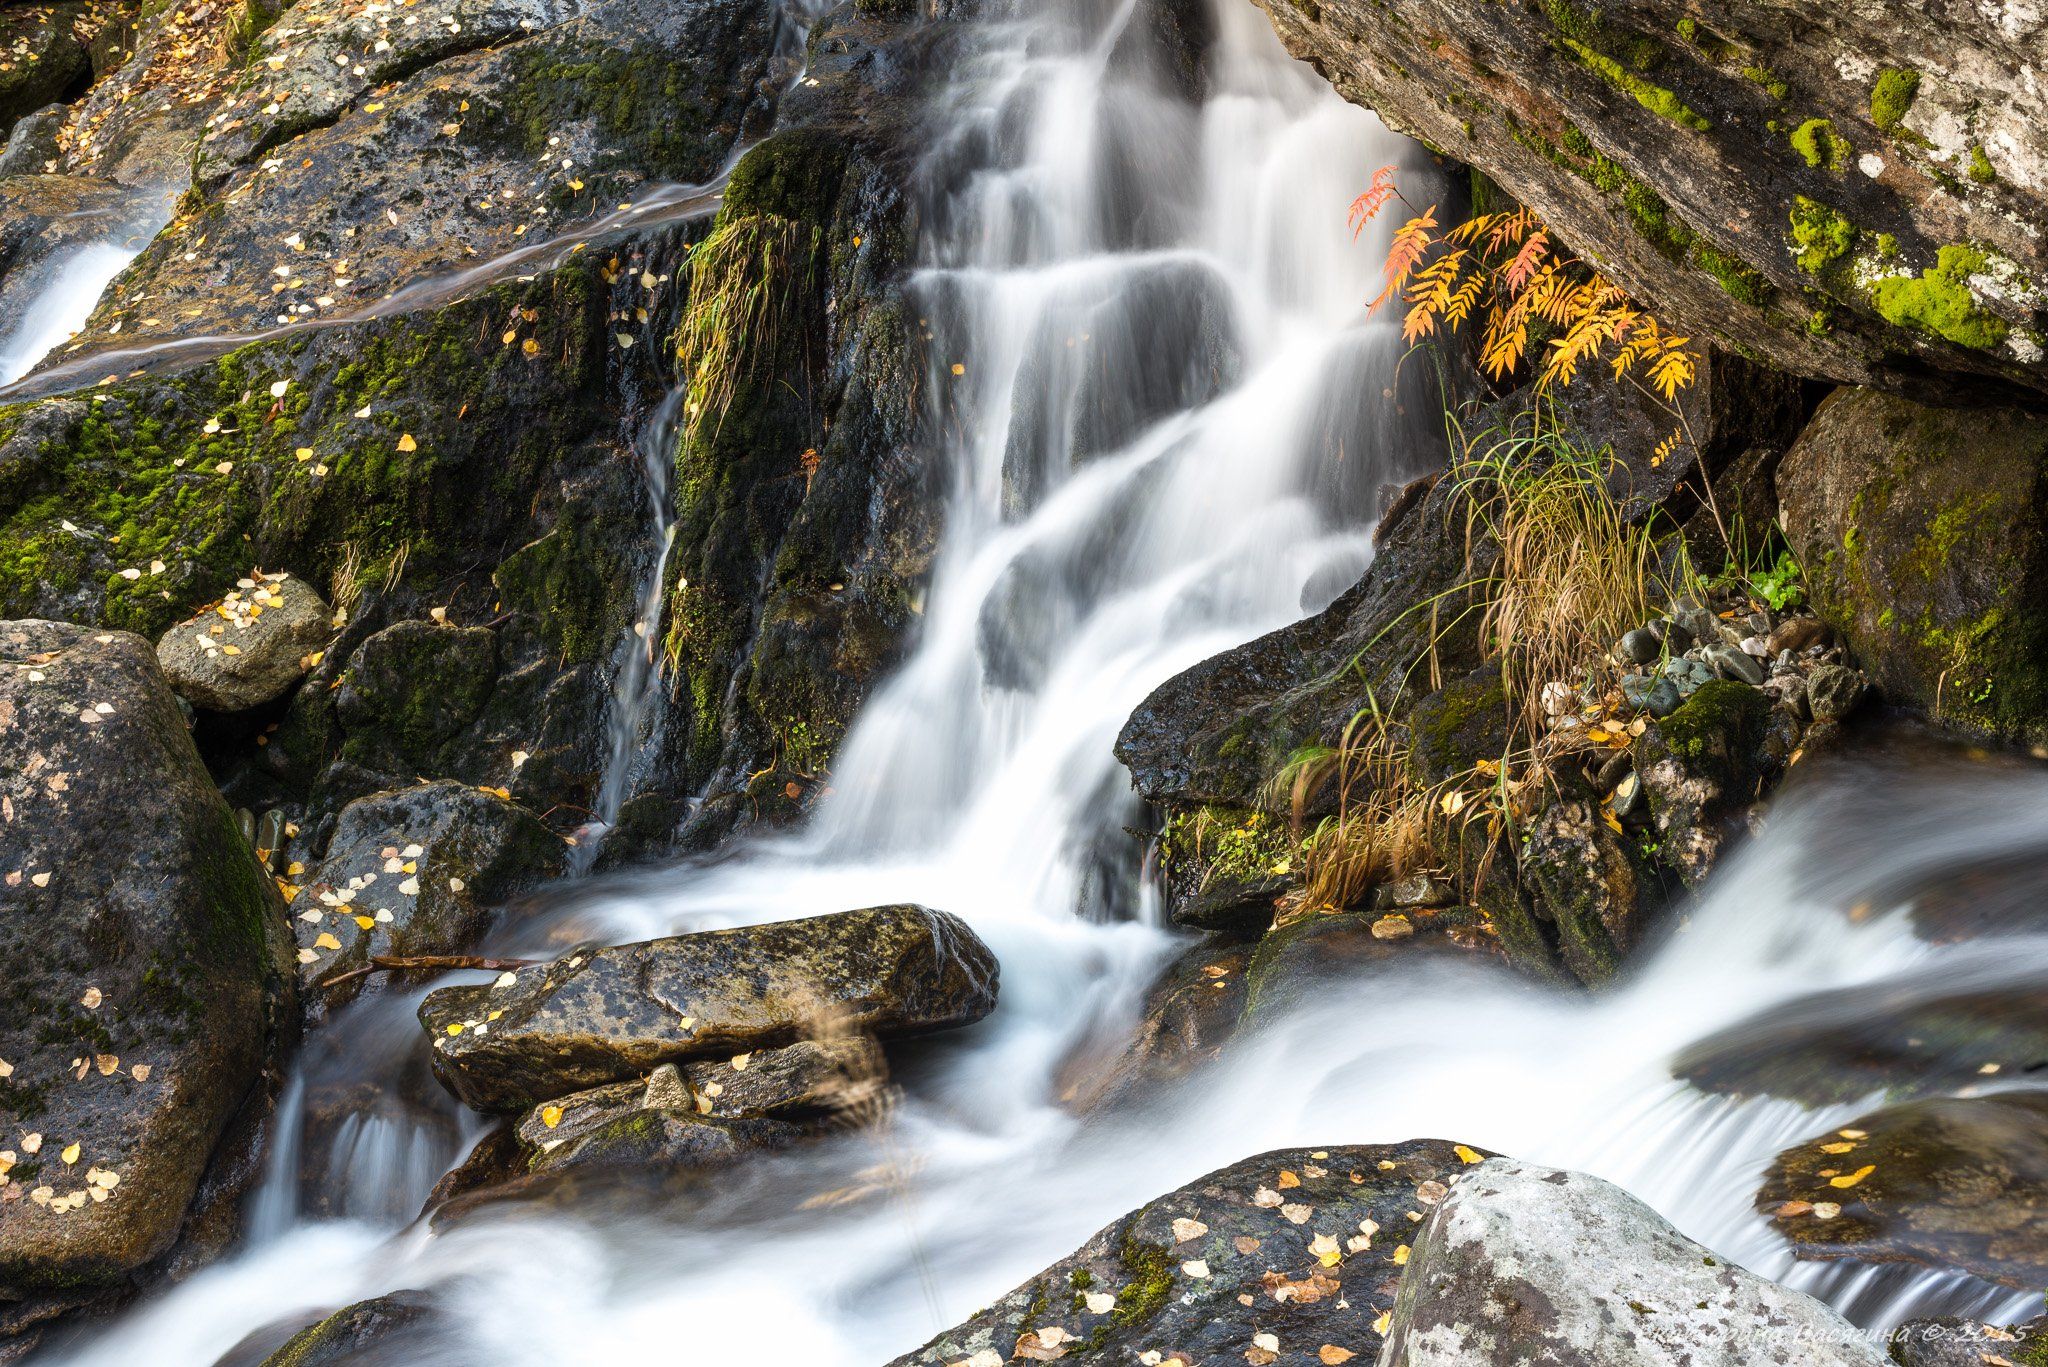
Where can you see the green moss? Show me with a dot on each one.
(1980, 167)
(1817, 142)
(1772, 83)
(1150, 1269)
(1821, 235)
(1584, 25)
(1939, 301)
(1689, 29)
(1722, 717)
(1659, 101)
(1892, 96)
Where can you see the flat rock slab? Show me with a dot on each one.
(143, 954)
(250, 647)
(1951, 1182)
(604, 1015)
(1525, 1264)
(1283, 1260)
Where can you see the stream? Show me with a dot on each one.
(1170, 428)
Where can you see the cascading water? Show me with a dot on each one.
(1160, 450)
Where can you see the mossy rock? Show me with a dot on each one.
(1921, 534)
(140, 936)
(1197, 1268)
(384, 1332)
(1700, 769)
(412, 688)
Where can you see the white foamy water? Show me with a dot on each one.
(1173, 421)
(60, 309)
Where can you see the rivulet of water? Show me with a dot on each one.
(1169, 429)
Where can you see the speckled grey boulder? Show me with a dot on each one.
(1529, 1264)
(249, 648)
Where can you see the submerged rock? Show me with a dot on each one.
(1286, 1259)
(1951, 1342)
(1526, 1264)
(1923, 533)
(1901, 1038)
(403, 1327)
(416, 871)
(1189, 1014)
(601, 1015)
(249, 648)
(146, 982)
(1949, 1182)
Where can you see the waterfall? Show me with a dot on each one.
(1169, 420)
(60, 308)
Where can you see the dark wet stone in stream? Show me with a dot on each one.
(412, 688)
(603, 1015)
(460, 851)
(390, 1331)
(1901, 1039)
(1522, 1264)
(1308, 958)
(1947, 1182)
(1951, 1342)
(1190, 1013)
(146, 983)
(1732, 663)
(1202, 1270)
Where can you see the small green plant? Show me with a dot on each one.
(746, 284)
(1778, 585)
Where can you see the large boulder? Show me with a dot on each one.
(415, 871)
(1921, 534)
(43, 57)
(1847, 192)
(603, 1015)
(146, 969)
(1284, 1260)
(250, 647)
(1700, 769)
(1528, 1264)
(1948, 1182)
(402, 1327)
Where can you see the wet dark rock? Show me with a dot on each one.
(1952, 1342)
(1731, 663)
(602, 1015)
(45, 219)
(1640, 646)
(32, 148)
(1203, 1270)
(1798, 634)
(660, 1137)
(147, 985)
(1417, 890)
(1217, 733)
(249, 648)
(1189, 1014)
(1589, 881)
(1872, 194)
(631, 92)
(1834, 692)
(1948, 1182)
(426, 867)
(1921, 532)
(42, 57)
(1524, 1264)
(1902, 1039)
(1659, 696)
(1313, 956)
(412, 688)
(403, 1327)
(1699, 768)
(1223, 868)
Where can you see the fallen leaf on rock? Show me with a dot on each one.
(1266, 1198)
(1326, 1250)
(1792, 1208)
(1331, 1354)
(1852, 1178)
(1297, 1213)
(551, 1116)
(1195, 1267)
(1100, 1302)
(1184, 1229)
(92, 999)
(140, 1072)
(70, 1154)
(1244, 1243)
(1288, 1179)
(1379, 1326)
(1825, 1210)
